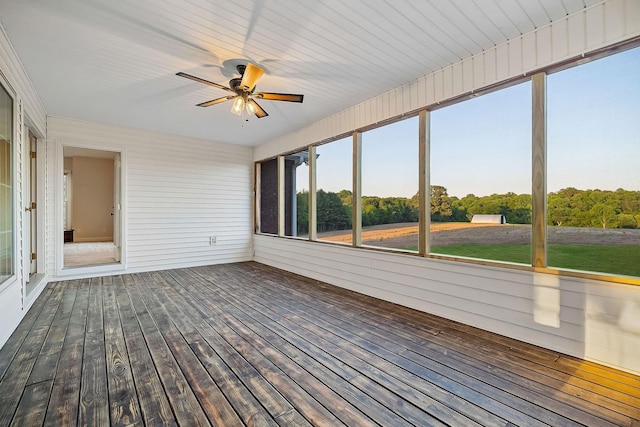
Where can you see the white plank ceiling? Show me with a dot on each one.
(114, 61)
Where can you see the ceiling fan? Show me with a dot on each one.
(243, 91)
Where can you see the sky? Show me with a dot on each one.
(482, 146)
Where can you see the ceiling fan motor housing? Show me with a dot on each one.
(235, 84)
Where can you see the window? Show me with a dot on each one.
(481, 175)
(269, 197)
(334, 195)
(6, 186)
(480, 172)
(390, 202)
(593, 166)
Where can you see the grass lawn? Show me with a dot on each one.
(623, 260)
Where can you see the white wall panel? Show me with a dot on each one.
(559, 45)
(594, 21)
(178, 192)
(596, 320)
(576, 38)
(467, 75)
(502, 61)
(543, 46)
(614, 20)
(632, 17)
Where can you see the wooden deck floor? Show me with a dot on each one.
(245, 344)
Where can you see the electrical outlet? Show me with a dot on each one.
(213, 240)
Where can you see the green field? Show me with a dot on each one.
(621, 260)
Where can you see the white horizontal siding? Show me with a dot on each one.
(589, 29)
(583, 318)
(178, 192)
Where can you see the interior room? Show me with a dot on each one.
(275, 213)
(89, 200)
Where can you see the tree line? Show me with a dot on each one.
(567, 207)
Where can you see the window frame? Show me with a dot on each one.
(10, 278)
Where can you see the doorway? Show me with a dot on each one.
(91, 207)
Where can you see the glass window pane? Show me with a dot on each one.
(390, 186)
(6, 186)
(481, 177)
(269, 197)
(593, 166)
(334, 183)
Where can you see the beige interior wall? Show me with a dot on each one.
(92, 184)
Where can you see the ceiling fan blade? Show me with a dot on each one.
(216, 101)
(258, 110)
(252, 74)
(290, 97)
(207, 82)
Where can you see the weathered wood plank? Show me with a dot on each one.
(339, 376)
(389, 361)
(154, 403)
(18, 371)
(33, 404)
(184, 404)
(313, 411)
(94, 400)
(123, 399)
(213, 402)
(64, 403)
(11, 347)
(268, 397)
(440, 403)
(47, 362)
(238, 395)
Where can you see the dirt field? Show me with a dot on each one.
(456, 233)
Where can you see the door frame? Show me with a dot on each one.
(88, 271)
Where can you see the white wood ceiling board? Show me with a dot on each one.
(114, 61)
(440, 36)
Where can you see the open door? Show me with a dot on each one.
(31, 217)
(117, 209)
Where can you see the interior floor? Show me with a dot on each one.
(88, 253)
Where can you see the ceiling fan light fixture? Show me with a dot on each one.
(251, 108)
(238, 105)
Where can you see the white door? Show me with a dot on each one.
(117, 209)
(30, 197)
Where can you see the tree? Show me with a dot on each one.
(604, 215)
(302, 215)
(331, 213)
(440, 204)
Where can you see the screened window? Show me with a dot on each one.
(269, 197)
(390, 202)
(593, 166)
(480, 173)
(6, 186)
